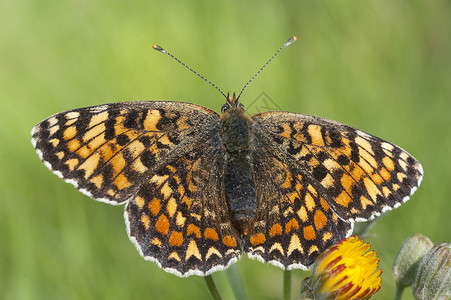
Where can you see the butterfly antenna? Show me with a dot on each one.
(290, 41)
(159, 48)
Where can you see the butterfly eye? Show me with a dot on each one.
(225, 107)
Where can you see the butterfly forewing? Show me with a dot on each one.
(107, 151)
(359, 175)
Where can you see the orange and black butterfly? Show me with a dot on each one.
(200, 189)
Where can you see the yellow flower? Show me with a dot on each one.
(346, 271)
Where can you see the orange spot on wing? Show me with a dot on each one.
(320, 219)
(152, 119)
(371, 189)
(193, 229)
(84, 152)
(288, 181)
(315, 134)
(309, 233)
(98, 118)
(97, 180)
(118, 163)
(122, 182)
(401, 176)
(90, 164)
(166, 190)
(106, 151)
(276, 229)
(73, 145)
(69, 132)
(95, 132)
(171, 168)
(324, 204)
(174, 255)
(191, 186)
(211, 234)
(176, 238)
(119, 127)
(257, 239)
(180, 219)
(347, 182)
(365, 201)
(286, 130)
(388, 163)
(71, 163)
(181, 124)
(292, 224)
(357, 173)
(138, 166)
(386, 191)
(343, 199)
(377, 179)
(188, 201)
(312, 190)
(162, 225)
(171, 207)
(309, 202)
(327, 236)
(229, 241)
(139, 201)
(54, 142)
(145, 221)
(302, 214)
(155, 206)
(60, 154)
(135, 147)
(385, 174)
(155, 242)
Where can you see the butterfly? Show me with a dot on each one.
(200, 188)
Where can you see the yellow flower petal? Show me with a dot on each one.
(347, 270)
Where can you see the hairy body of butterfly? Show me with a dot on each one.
(200, 189)
(240, 191)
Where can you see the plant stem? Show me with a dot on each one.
(235, 282)
(212, 287)
(398, 292)
(286, 285)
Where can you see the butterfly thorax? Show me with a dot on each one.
(239, 182)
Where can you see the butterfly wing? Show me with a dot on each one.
(158, 155)
(318, 177)
(360, 175)
(106, 151)
(293, 223)
(179, 217)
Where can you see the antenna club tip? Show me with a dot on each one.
(290, 41)
(158, 48)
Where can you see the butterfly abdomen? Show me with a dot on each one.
(239, 172)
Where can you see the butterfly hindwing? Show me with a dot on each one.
(293, 223)
(359, 175)
(106, 151)
(179, 217)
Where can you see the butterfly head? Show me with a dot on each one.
(232, 103)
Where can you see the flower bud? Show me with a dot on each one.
(433, 279)
(408, 259)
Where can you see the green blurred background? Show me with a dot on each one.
(382, 66)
